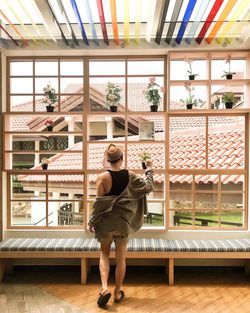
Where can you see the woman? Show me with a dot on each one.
(118, 210)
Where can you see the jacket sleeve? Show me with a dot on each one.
(140, 186)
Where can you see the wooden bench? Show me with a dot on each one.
(144, 248)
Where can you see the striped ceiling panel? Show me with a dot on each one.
(125, 23)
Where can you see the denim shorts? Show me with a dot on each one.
(116, 236)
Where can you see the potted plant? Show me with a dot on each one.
(50, 97)
(229, 99)
(191, 101)
(113, 96)
(228, 74)
(44, 163)
(144, 156)
(50, 124)
(152, 94)
(191, 75)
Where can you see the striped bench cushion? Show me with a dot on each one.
(135, 244)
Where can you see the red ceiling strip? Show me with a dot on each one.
(102, 21)
(15, 42)
(209, 20)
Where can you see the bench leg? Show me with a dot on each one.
(247, 267)
(84, 271)
(171, 272)
(2, 269)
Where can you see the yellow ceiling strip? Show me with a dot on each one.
(138, 21)
(25, 28)
(15, 29)
(237, 28)
(228, 26)
(221, 20)
(126, 21)
(20, 2)
(114, 21)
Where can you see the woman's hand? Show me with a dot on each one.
(149, 163)
(91, 228)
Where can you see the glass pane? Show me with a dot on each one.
(21, 68)
(180, 201)
(146, 127)
(65, 187)
(97, 67)
(222, 93)
(96, 158)
(72, 103)
(206, 182)
(40, 106)
(180, 96)
(232, 201)
(181, 182)
(27, 187)
(97, 93)
(226, 142)
(181, 218)
(149, 67)
(232, 219)
(155, 150)
(92, 186)
(137, 87)
(232, 183)
(106, 127)
(71, 85)
(26, 213)
(206, 201)
(155, 214)
(180, 70)
(40, 83)
(21, 103)
(65, 213)
(46, 68)
(207, 219)
(219, 67)
(21, 85)
(187, 142)
(71, 67)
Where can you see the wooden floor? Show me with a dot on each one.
(58, 290)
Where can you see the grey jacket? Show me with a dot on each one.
(123, 213)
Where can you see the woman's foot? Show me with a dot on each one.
(119, 296)
(104, 297)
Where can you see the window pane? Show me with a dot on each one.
(65, 187)
(179, 69)
(28, 213)
(232, 201)
(206, 182)
(72, 67)
(40, 83)
(21, 103)
(136, 93)
(206, 201)
(207, 219)
(232, 183)
(219, 67)
(230, 219)
(46, 68)
(65, 213)
(146, 67)
(97, 93)
(155, 214)
(97, 67)
(21, 68)
(181, 218)
(71, 85)
(21, 85)
(187, 142)
(218, 92)
(181, 201)
(71, 103)
(181, 182)
(226, 142)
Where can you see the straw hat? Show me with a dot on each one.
(113, 152)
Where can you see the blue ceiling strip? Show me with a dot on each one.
(184, 23)
(91, 21)
(79, 21)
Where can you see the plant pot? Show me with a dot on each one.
(229, 76)
(189, 106)
(50, 128)
(44, 166)
(144, 166)
(49, 108)
(113, 108)
(229, 105)
(191, 77)
(154, 108)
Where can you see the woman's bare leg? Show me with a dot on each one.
(120, 270)
(104, 265)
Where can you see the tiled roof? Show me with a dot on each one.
(187, 151)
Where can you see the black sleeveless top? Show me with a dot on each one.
(120, 181)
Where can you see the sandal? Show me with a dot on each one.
(103, 299)
(121, 297)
